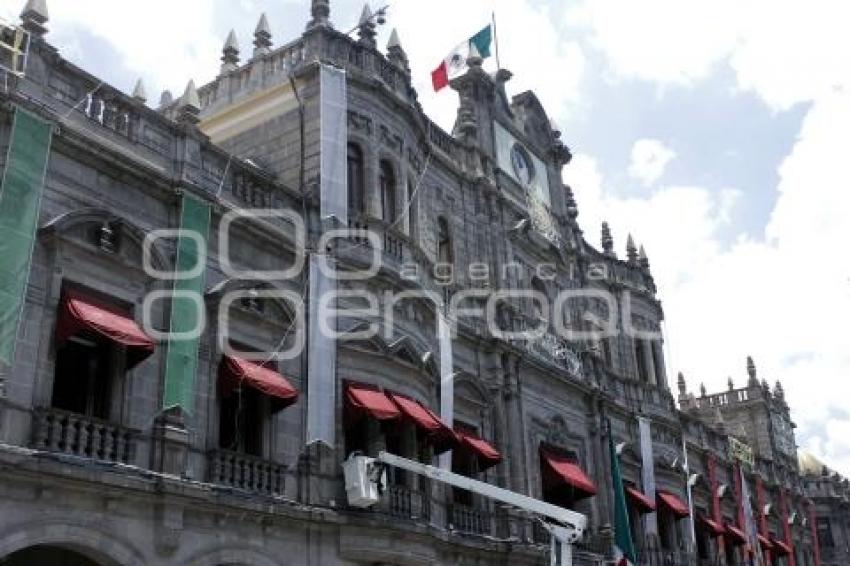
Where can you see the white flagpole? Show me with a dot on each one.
(496, 41)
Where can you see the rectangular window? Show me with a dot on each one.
(83, 377)
(643, 375)
(241, 425)
(825, 533)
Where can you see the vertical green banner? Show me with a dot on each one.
(181, 362)
(20, 201)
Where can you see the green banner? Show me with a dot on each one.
(181, 362)
(20, 201)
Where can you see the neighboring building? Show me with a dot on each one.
(830, 493)
(122, 448)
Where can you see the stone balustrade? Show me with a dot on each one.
(249, 473)
(78, 435)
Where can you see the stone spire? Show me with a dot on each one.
(751, 372)
(262, 37)
(34, 16)
(395, 52)
(139, 92)
(683, 387)
(730, 384)
(778, 391)
(607, 241)
(702, 390)
(320, 12)
(165, 98)
(189, 105)
(230, 54)
(643, 260)
(631, 250)
(366, 27)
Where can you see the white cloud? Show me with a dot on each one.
(784, 298)
(786, 51)
(649, 160)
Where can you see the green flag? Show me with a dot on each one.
(624, 548)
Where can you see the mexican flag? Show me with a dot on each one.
(624, 548)
(455, 63)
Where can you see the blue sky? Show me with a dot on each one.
(714, 131)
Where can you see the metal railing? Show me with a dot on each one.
(469, 519)
(64, 432)
(406, 503)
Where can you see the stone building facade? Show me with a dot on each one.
(121, 444)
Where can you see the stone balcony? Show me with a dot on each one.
(404, 502)
(69, 433)
(469, 519)
(248, 473)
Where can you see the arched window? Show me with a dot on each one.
(356, 180)
(386, 180)
(445, 254)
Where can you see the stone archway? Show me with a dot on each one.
(48, 554)
(96, 547)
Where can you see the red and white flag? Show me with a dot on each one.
(455, 63)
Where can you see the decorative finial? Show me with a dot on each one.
(631, 250)
(607, 241)
(165, 98)
(683, 387)
(474, 59)
(765, 386)
(751, 371)
(189, 105)
(572, 207)
(320, 10)
(778, 391)
(366, 27)
(230, 54)
(643, 260)
(262, 37)
(34, 16)
(702, 391)
(556, 130)
(730, 384)
(395, 52)
(139, 92)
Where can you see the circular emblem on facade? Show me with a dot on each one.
(521, 162)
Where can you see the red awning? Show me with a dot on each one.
(440, 435)
(780, 548)
(736, 535)
(641, 501)
(487, 455)
(564, 470)
(674, 504)
(233, 372)
(765, 542)
(79, 314)
(715, 529)
(370, 400)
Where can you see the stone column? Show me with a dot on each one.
(171, 443)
